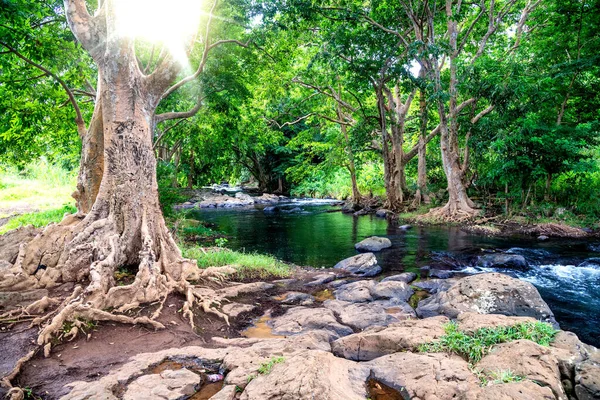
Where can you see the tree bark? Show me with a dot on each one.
(421, 195)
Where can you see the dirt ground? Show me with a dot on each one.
(109, 345)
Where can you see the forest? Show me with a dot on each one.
(235, 199)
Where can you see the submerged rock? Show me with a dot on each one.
(491, 293)
(512, 261)
(363, 265)
(373, 243)
(383, 213)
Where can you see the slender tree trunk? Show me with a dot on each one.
(191, 174)
(394, 200)
(356, 196)
(421, 195)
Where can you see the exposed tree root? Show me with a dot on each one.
(16, 393)
(451, 213)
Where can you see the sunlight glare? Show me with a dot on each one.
(172, 23)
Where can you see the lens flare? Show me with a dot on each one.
(172, 23)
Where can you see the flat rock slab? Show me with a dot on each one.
(364, 315)
(470, 322)
(310, 375)
(168, 385)
(369, 290)
(406, 277)
(362, 264)
(438, 376)
(527, 359)
(296, 298)
(299, 320)
(235, 309)
(373, 243)
(488, 294)
(400, 336)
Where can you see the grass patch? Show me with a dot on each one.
(473, 347)
(247, 265)
(38, 219)
(39, 186)
(266, 367)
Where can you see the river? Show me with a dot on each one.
(320, 236)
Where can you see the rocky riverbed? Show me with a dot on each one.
(349, 333)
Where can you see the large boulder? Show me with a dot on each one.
(299, 320)
(491, 293)
(373, 243)
(524, 390)
(503, 260)
(587, 380)
(435, 285)
(310, 375)
(356, 292)
(383, 213)
(392, 290)
(401, 336)
(470, 322)
(527, 359)
(362, 264)
(438, 376)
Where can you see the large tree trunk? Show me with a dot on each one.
(92, 161)
(421, 195)
(124, 226)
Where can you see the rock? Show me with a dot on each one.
(363, 265)
(302, 319)
(267, 198)
(542, 238)
(470, 322)
(569, 351)
(12, 240)
(491, 293)
(355, 292)
(440, 274)
(299, 298)
(168, 385)
(401, 336)
(587, 380)
(373, 243)
(225, 201)
(511, 261)
(527, 359)
(350, 208)
(435, 285)
(525, 390)
(270, 209)
(407, 277)
(322, 279)
(392, 290)
(383, 213)
(593, 262)
(364, 211)
(364, 315)
(405, 227)
(296, 210)
(310, 375)
(432, 376)
(235, 309)
(245, 197)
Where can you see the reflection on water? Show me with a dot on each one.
(320, 238)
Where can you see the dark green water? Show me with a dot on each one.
(319, 238)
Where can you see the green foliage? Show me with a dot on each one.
(247, 265)
(266, 367)
(38, 219)
(473, 347)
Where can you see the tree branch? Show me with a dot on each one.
(81, 129)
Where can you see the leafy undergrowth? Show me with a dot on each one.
(38, 219)
(247, 265)
(473, 347)
(39, 186)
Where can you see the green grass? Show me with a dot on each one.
(39, 187)
(473, 347)
(247, 265)
(38, 219)
(266, 367)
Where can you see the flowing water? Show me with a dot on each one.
(319, 236)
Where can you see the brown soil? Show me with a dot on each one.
(110, 345)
